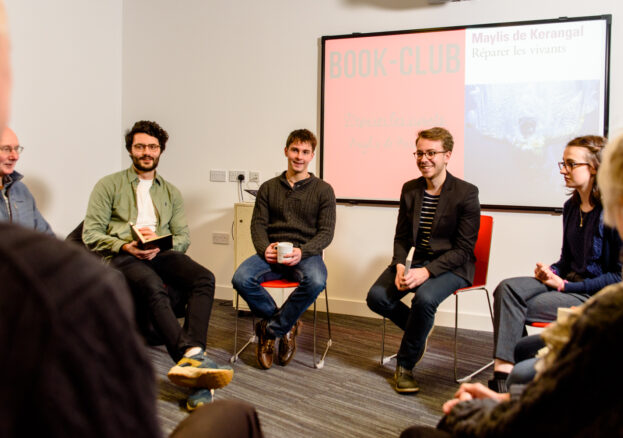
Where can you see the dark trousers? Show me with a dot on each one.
(147, 279)
(223, 418)
(528, 347)
(525, 352)
(521, 300)
(417, 322)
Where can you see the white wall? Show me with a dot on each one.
(66, 107)
(229, 81)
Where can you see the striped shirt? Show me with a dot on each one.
(427, 214)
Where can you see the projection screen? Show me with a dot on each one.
(511, 94)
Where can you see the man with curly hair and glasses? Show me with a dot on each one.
(139, 198)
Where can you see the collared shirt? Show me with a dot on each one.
(18, 205)
(112, 207)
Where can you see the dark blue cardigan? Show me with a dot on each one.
(604, 264)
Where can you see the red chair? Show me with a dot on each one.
(542, 324)
(539, 324)
(284, 284)
(482, 251)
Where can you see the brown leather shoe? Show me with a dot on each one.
(265, 346)
(287, 344)
(404, 382)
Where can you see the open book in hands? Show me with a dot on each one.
(163, 242)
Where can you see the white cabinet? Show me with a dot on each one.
(243, 244)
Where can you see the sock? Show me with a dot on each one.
(499, 375)
(192, 351)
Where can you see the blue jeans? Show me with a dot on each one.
(523, 373)
(310, 272)
(417, 322)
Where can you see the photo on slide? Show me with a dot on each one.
(521, 131)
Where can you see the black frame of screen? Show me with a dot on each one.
(518, 208)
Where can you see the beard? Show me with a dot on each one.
(137, 163)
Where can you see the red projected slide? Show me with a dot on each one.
(383, 90)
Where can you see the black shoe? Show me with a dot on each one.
(404, 382)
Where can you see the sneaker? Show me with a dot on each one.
(265, 346)
(199, 371)
(199, 398)
(404, 382)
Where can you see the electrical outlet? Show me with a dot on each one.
(233, 175)
(254, 176)
(220, 238)
(218, 175)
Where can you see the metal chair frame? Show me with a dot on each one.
(284, 284)
(482, 251)
(384, 359)
(468, 377)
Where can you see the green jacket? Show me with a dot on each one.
(112, 207)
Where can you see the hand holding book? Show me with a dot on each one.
(147, 233)
(409, 260)
(410, 277)
(146, 239)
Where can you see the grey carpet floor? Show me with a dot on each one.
(350, 396)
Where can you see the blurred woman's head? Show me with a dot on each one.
(611, 182)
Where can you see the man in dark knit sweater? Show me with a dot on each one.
(293, 207)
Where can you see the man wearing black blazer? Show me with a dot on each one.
(439, 217)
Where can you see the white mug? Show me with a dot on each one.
(283, 248)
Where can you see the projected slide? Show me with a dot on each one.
(512, 96)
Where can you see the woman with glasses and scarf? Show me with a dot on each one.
(588, 262)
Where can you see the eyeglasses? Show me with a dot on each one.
(141, 147)
(8, 149)
(570, 165)
(429, 154)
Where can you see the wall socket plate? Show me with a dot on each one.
(217, 175)
(254, 176)
(233, 175)
(220, 238)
